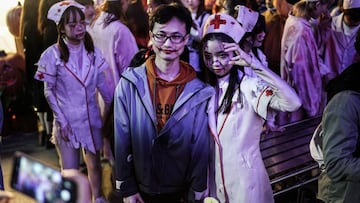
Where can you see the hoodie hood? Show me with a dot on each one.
(165, 93)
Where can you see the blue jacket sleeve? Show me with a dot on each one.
(200, 155)
(124, 169)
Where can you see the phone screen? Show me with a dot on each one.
(41, 182)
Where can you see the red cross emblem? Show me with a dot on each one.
(268, 92)
(40, 76)
(217, 22)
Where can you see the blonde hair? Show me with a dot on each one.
(304, 8)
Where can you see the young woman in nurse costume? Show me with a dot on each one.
(237, 113)
(300, 64)
(72, 71)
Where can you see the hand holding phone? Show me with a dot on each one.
(84, 191)
(40, 181)
(5, 196)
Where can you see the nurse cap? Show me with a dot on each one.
(224, 23)
(56, 11)
(246, 17)
(348, 4)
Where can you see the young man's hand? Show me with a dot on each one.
(136, 198)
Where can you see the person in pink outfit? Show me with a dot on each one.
(237, 112)
(338, 50)
(301, 66)
(118, 46)
(73, 71)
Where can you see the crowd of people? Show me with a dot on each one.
(176, 94)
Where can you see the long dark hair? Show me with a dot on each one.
(157, 3)
(211, 78)
(69, 13)
(44, 7)
(201, 9)
(258, 28)
(29, 17)
(30, 36)
(138, 19)
(113, 10)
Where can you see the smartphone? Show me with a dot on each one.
(41, 181)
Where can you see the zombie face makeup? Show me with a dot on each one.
(216, 59)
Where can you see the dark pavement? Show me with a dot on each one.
(28, 144)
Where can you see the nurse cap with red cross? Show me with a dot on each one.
(56, 11)
(224, 23)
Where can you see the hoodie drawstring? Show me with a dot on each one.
(177, 92)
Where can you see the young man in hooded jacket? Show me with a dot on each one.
(161, 131)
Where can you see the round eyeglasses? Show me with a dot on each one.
(161, 38)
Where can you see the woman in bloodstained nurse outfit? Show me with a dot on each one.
(254, 25)
(73, 70)
(118, 48)
(301, 66)
(237, 113)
